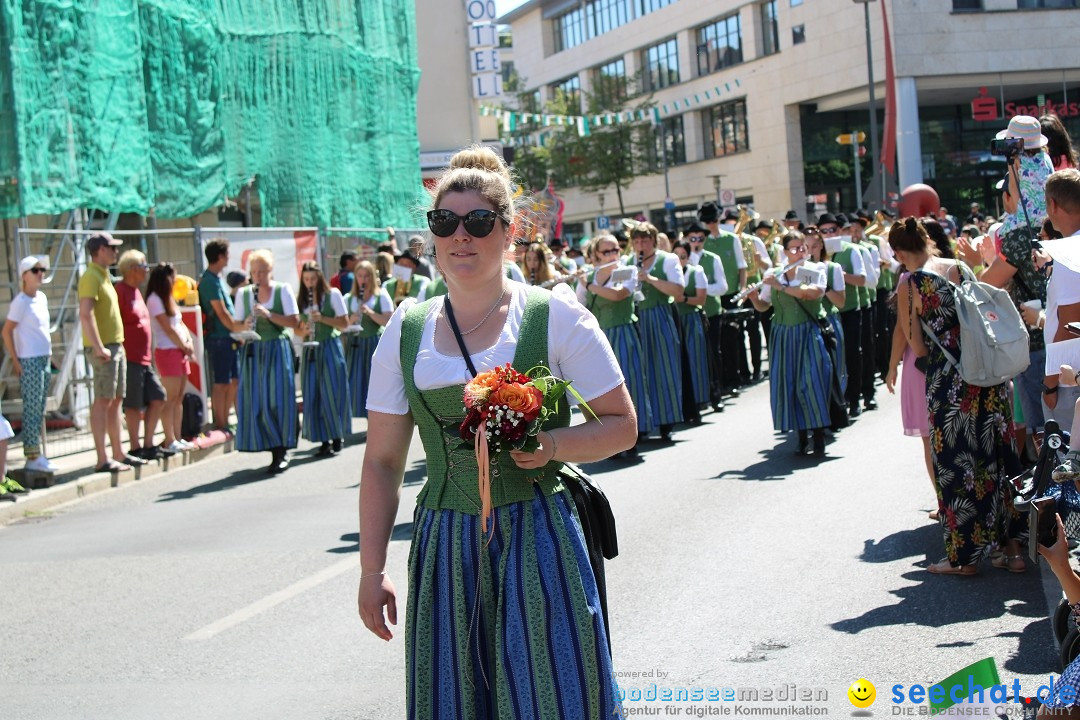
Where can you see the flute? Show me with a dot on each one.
(638, 295)
(576, 273)
(741, 296)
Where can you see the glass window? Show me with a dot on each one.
(796, 3)
(798, 34)
(770, 29)
(1029, 4)
(967, 5)
(719, 45)
(667, 136)
(644, 7)
(726, 129)
(605, 15)
(660, 65)
(571, 89)
(569, 29)
(610, 81)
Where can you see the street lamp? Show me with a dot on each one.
(870, 85)
(716, 184)
(600, 200)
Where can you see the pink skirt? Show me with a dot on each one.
(171, 362)
(913, 408)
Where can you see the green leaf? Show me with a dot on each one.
(581, 401)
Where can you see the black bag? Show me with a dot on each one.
(193, 416)
(828, 334)
(598, 527)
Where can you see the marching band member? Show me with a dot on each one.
(266, 398)
(410, 284)
(867, 299)
(558, 256)
(690, 305)
(801, 370)
(835, 297)
(716, 287)
(727, 247)
(661, 279)
(850, 259)
(370, 306)
(324, 377)
(613, 306)
(538, 265)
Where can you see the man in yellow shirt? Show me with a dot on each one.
(103, 338)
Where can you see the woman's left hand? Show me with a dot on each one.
(540, 457)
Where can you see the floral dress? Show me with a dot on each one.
(971, 438)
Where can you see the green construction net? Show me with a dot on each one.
(128, 105)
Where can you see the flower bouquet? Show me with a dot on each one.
(504, 411)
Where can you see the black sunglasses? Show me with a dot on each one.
(478, 223)
(38, 270)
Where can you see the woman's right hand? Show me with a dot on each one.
(16, 366)
(1057, 555)
(890, 380)
(376, 592)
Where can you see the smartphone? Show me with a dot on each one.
(1042, 525)
(1073, 327)
(1006, 147)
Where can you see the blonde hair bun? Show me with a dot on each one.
(479, 157)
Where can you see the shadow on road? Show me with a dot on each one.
(906, 543)
(241, 477)
(402, 533)
(777, 463)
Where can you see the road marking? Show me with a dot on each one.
(273, 600)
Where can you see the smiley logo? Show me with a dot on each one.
(862, 693)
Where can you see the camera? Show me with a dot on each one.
(1007, 148)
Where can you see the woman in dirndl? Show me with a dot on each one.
(509, 625)
(370, 308)
(661, 280)
(613, 305)
(691, 308)
(324, 379)
(801, 373)
(266, 398)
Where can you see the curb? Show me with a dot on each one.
(80, 483)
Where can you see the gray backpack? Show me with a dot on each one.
(993, 337)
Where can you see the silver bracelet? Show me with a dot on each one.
(554, 446)
(373, 574)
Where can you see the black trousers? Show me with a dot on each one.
(753, 337)
(884, 322)
(851, 321)
(868, 355)
(732, 346)
(691, 413)
(716, 367)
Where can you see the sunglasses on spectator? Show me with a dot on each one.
(478, 223)
(38, 270)
(696, 238)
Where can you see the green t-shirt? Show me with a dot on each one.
(211, 288)
(97, 284)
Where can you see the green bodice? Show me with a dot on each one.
(654, 297)
(843, 259)
(266, 329)
(451, 463)
(787, 311)
(610, 313)
(689, 292)
(369, 328)
(322, 330)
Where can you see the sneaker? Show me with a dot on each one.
(12, 486)
(40, 464)
(176, 446)
(1069, 469)
(5, 495)
(188, 445)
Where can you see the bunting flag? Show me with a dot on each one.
(509, 119)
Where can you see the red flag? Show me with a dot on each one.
(888, 145)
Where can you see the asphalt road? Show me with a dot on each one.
(220, 592)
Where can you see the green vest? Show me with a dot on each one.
(610, 313)
(787, 310)
(689, 291)
(322, 330)
(843, 259)
(266, 329)
(435, 287)
(416, 284)
(654, 297)
(712, 303)
(866, 294)
(368, 327)
(724, 247)
(830, 269)
(451, 462)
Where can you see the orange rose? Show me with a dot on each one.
(524, 399)
(478, 390)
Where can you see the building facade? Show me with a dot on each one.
(760, 90)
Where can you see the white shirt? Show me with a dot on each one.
(1063, 289)
(838, 283)
(288, 301)
(337, 302)
(514, 272)
(672, 269)
(386, 303)
(156, 308)
(857, 267)
(577, 350)
(700, 283)
(719, 287)
(32, 332)
(870, 268)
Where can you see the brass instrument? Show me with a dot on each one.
(746, 216)
(878, 226)
(778, 231)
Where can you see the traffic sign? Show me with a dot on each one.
(727, 198)
(603, 222)
(669, 204)
(851, 138)
(862, 151)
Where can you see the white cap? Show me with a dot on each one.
(31, 261)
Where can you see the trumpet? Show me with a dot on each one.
(746, 215)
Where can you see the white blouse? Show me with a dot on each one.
(385, 303)
(578, 351)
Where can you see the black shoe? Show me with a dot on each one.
(819, 443)
(665, 434)
(132, 461)
(335, 447)
(324, 449)
(731, 391)
(279, 460)
(718, 407)
(870, 404)
(853, 410)
(757, 377)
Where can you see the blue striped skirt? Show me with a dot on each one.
(325, 386)
(799, 378)
(266, 398)
(839, 358)
(660, 348)
(693, 335)
(627, 347)
(525, 641)
(360, 351)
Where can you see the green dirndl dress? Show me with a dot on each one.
(325, 384)
(514, 628)
(266, 396)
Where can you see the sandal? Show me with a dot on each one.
(1009, 562)
(933, 515)
(944, 567)
(111, 466)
